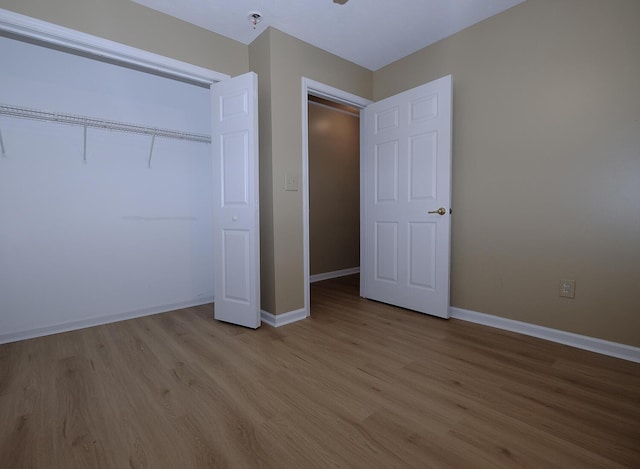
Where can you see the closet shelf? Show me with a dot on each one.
(83, 121)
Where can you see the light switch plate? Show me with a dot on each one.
(291, 182)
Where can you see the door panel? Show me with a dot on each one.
(387, 172)
(406, 173)
(236, 234)
(237, 269)
(422, 272)
(386, 258)
(235, 169)
(422, 167)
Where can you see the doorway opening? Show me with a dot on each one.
(331, 182)
(334, 182)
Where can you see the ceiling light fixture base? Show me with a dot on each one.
(254, 17)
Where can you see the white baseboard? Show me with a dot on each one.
(334, 274)
(73, 325)
(605, 347)
(277, 320)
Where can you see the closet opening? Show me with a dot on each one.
(106, 207)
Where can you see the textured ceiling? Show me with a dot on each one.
(370, 33)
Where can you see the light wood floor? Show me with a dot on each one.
(359, 385)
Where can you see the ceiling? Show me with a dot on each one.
(370, 33)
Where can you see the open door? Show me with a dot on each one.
(236, 235)
(406, 197)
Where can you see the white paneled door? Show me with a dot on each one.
(236, 236)
(406, 178)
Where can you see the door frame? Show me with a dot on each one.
(321, 90)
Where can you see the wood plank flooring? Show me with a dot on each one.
(358, 385)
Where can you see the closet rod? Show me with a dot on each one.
(83, 121)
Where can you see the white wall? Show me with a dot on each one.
(88, 243)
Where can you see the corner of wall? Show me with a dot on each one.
(260, 63)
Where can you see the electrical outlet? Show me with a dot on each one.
(567, 288)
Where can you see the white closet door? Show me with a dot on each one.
(236, 234)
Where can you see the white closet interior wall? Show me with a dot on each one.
(83, 243)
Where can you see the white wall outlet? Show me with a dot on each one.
(291, 182)
(567, 288)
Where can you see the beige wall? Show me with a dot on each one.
(334, 190)
(260, 59)
(546, 162)
(134, 25)
(290, 60)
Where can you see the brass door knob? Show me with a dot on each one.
(440, 211)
